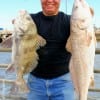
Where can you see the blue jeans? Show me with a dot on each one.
(60, 88)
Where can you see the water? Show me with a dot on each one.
(5, 58)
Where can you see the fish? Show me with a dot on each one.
(81, 44)
(25, 43)
(7, 43)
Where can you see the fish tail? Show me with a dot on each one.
(19, 87)
(23, 88)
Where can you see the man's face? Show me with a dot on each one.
(50, 7)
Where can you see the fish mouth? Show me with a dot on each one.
(21, 30)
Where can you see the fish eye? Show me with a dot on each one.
(28, 18)
(76, 7)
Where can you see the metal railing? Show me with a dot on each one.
(4, 66)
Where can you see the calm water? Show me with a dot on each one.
(4, 89)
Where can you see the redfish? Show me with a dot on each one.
(81, 44)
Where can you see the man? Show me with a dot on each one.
(51, 79)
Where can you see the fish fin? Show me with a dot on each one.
(95, 41)
(7, 43)
(10, 68)
(92, 11)
(91, 82)
(86, 40)
(68, 45)
(89, 38)
(40, 41)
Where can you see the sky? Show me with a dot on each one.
(10, 8)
